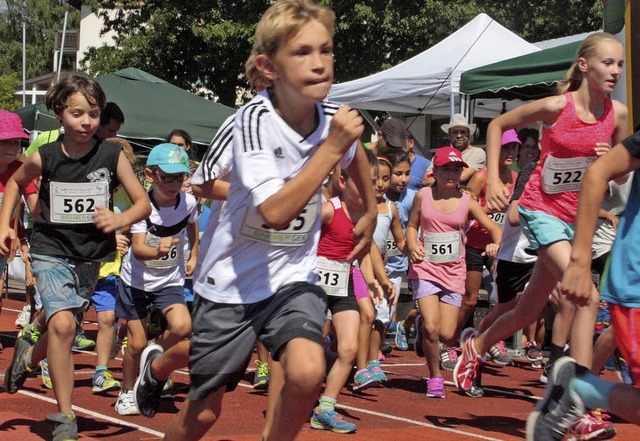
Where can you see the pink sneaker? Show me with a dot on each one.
(435, 387)
(468, 366)
(590, 427)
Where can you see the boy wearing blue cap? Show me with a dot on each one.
(154, 269)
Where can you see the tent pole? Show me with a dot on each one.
(64, 36)
(370, 119)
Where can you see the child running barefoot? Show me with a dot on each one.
(257, 276)
(72, 235)
(437, 275)
(577, 125)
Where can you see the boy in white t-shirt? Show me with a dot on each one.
(258, 280)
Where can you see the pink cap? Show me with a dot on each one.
(11, 126)
(510, 136)
(447, 155)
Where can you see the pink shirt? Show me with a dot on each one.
(568, 147)
(444, 232)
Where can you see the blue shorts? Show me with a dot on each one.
(65, 283)
(135, 304)
(543, 229)
(426, 288)
(104, 296)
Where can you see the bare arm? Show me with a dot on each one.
(142, 251)
(396, 230)
(576, 282)
(477, 211)
(193, 234)
(415, 250)
(215, 189)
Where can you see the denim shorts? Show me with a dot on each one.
(543, 229)
(65, 283)
(104, 296)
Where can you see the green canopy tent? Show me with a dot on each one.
(526, 77)
(152, 108)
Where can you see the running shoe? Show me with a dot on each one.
(468, 366)
(18, 370)
(103, 381)
(417, 344)
(117, 342)
(448, 358)
(363, 379)
(499, 355)
(560, 409)
(66, 426)
(591, 427)
(544, 377)
(261, 377)
(376, 371)
(44, 374)
(126, 403)
(167, 390)
(147, 390)
(435, 387)
(24, 317)
(386, 348)
(401, 337)
(82, 343)
(532, 352)
(622, 369)
(31, 332)
(331, 420)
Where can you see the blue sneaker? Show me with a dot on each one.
(401, 337)
(364, 379)
(331, 420)
(376, 371)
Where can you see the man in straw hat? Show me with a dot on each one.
(460, 132)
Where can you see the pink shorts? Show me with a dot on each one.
(359, 285)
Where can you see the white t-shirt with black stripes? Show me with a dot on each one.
(153, 275)
(245, 261)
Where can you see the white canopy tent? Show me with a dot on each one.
(429, 83)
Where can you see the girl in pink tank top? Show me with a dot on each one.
(578, 125)
(441, 214)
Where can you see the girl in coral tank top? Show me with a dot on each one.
(578, 125)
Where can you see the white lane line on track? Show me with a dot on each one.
(97, 415)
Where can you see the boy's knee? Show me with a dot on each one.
(106, 318)
(180, 330)
(307, 377)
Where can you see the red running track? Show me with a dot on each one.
(399, 410)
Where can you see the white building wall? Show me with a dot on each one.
(90, 27)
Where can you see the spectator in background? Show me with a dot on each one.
(396, 135)
(460, 133)
(183, 140)
(529, 151)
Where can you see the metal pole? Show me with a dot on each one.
(24, 53)
(64, 36)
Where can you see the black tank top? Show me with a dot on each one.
(69, 192)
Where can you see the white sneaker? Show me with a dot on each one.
(24, 318)
(126, 404)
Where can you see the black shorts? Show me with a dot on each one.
(511, 278)
(337, 304)
(224, 334)
(476, 261)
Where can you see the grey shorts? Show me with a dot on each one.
(135, 304)
(224, 334)
(65, 283)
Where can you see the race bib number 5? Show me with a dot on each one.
(296, 234)
(442, 247)
(73, 203)
(564, 174)
(333, 276)
(169, 260)
(498, 218)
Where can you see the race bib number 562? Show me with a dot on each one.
(76, 202)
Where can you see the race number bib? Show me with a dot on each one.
(169, 260)
(442, 247)
(76, 202)
(498, 218)
(564, 174)
(296, 234)
(392, 247)
(333, 276)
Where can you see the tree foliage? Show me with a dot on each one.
(203, 45)
(43, 18)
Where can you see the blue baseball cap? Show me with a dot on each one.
(169, 158)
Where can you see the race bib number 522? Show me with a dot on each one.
(564, 174)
